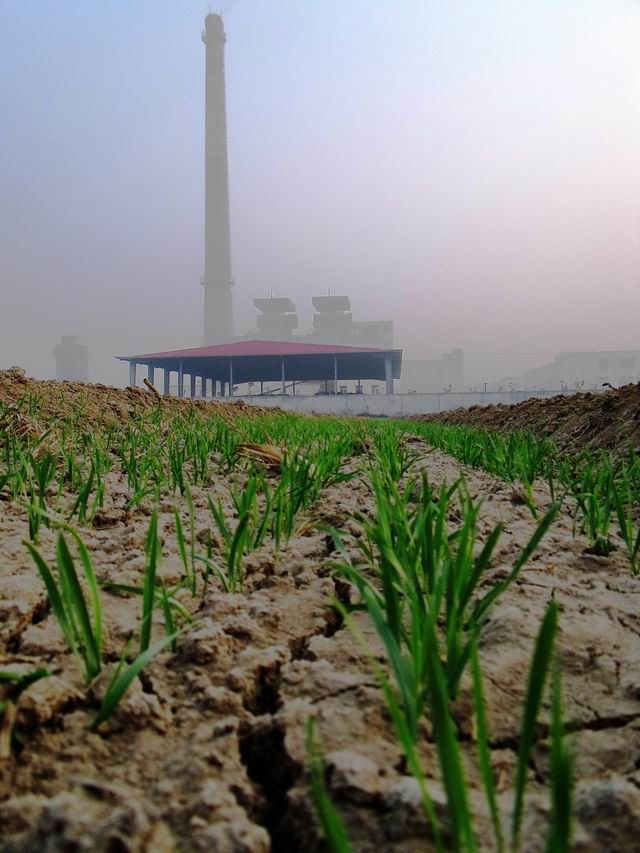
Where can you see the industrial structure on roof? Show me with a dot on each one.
(333, 323)
(284, 362)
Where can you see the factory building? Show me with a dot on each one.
(336, 350)
(333, 321)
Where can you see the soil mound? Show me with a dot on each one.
(100, 405)
(610, 421)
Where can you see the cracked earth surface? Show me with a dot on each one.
(206, 751)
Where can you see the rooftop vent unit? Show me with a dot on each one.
(278, 318)
(323, 304)
(333, 320)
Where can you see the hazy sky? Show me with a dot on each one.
(468, 169)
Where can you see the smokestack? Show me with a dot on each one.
(217, 281)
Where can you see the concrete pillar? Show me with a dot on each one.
(192, 385)
(231, 377)
(222, 389)
(335, 374)
(180, 380)
(132, 374)
(261, 387)
(203, 387)
(284, 390)
(388, 374)
(167, 381)
(294, 387)
(151, 372)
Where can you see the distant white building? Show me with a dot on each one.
(576, 370)
(72, 359)
(433, 375)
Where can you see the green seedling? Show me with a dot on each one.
(393, 457)
(484, 750)
(177, 461)
(401, 702)
(165, 597)
(189, 562)
(231, 572)
(331, 823)
(153, 552)
(422, 569)
(538, 673)
(628, 514)
(122, 677)
(249, 533)
(448, 749)
(561, 777)
(82, 631)
(81, 504)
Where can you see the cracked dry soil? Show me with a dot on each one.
(206, 752)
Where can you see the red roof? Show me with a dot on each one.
(252, 347)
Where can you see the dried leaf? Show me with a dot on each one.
(267, 453)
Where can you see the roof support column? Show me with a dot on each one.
(167, 381)
(388, 374)
(192, 384)
(203, 387)
(231, 377)
(261, 388)
(180, 380)
(284, 391)
(335, 374)
(132, 374)
(151, 372)
(294, 387)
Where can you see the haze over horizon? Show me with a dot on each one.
(472, 173)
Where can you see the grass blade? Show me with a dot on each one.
(55, 598)
(77, 606)
(94, 592)
(448, 751)
(121, 681)
(332, 826)
(149, 586)
(169, 623)
(484, 754)
(538, 671)
(496, 591)
(561, 772)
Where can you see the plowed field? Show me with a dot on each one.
(206, 749)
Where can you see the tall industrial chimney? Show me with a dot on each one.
(217, 281)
